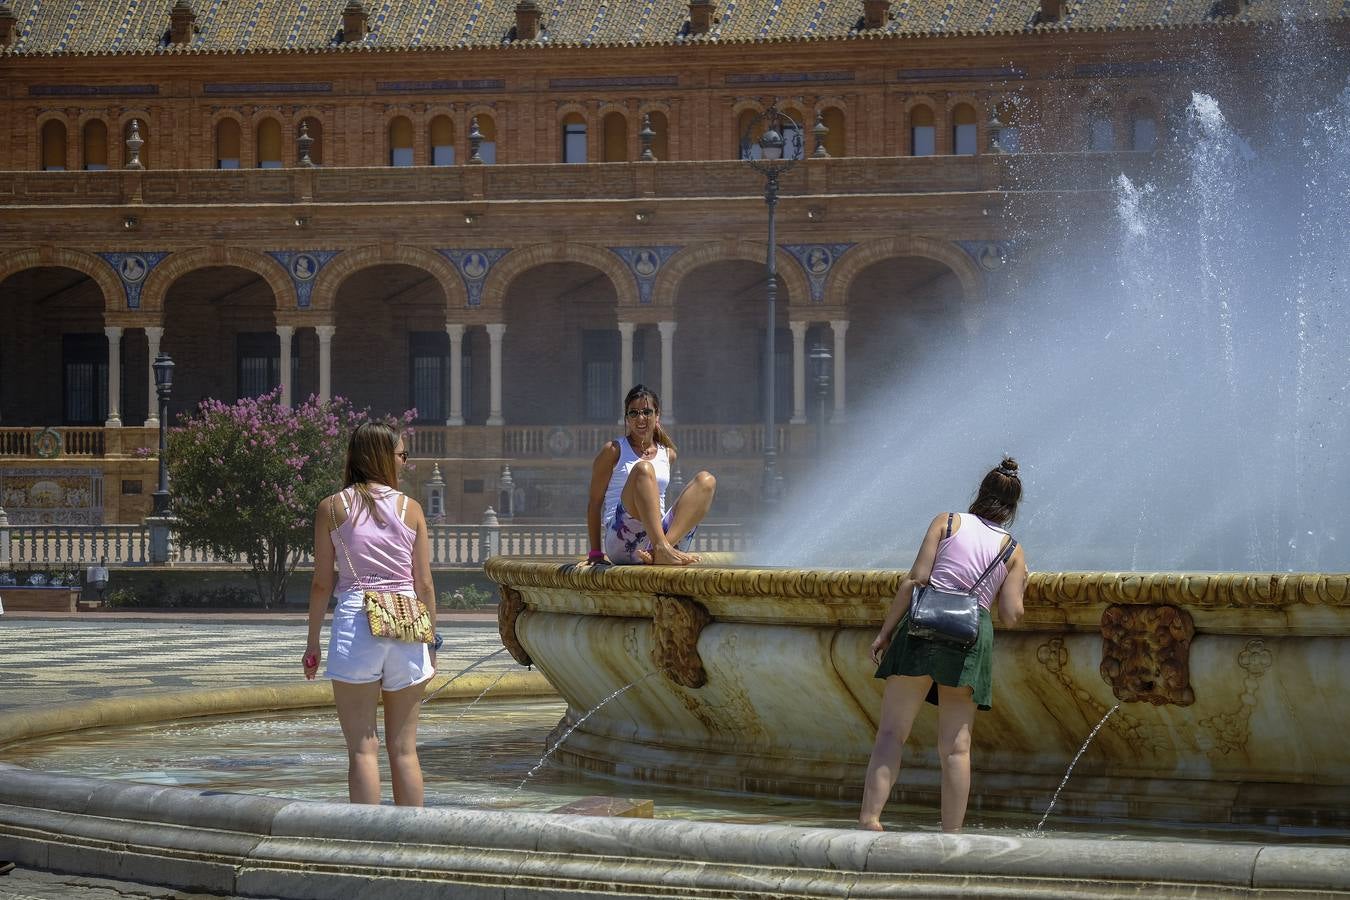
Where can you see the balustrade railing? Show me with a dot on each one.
(63, 545)
(452, 546)
(50, 442)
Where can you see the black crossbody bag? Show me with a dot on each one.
(951, 617)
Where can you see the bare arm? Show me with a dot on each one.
(423, 586)
(321, 588)
(601, 471)
(1010, 609)
(919, 573)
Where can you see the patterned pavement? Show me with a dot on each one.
(96, 655)
(50, 659)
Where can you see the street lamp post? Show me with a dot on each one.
(163, 367)
(773, 164)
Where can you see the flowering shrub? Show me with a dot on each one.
(247, 478)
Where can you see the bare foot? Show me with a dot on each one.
(669, 556)
(870, 826)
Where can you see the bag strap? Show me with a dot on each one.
(1004, 555)
(337, 539)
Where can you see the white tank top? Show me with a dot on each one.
(627, 459)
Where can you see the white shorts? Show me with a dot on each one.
(358, 657)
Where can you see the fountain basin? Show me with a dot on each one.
(251, 845)
(1229, 686)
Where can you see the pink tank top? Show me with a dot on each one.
(381, 554)
(962, 557)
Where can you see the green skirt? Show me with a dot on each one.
(945, 664)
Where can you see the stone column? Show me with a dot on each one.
(798, 372)
(325, 334)
(114, 376)
(495, 331)
(667, 330)
(456, 333)
(153, 335)
(625, 357)
(285, 332)
(839, 326)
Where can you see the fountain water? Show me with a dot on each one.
(1173, 381)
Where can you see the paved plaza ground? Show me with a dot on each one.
(47, 659)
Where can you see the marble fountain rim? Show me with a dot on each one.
(1203, 589)
(257, 845)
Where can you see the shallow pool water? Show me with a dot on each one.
(476, 756)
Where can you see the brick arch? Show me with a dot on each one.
(158, 282)
(114, 298)
(672, 274)
(341, 268)
(864, 255)
(517, 262)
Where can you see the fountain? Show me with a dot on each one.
(1187, 414)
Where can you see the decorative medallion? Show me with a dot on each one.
(644, 263)
(990, 256)
(47, 444)
(473, 266)
(559, 442)
(303, 266)
(132, 269)
(1146, 654)
(817, 260)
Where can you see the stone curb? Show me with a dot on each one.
(257, 845)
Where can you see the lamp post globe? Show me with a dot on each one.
(163, 367)
(773, 163)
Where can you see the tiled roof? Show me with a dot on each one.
(232, 26)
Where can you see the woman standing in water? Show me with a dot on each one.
(626, 518)
(954, 552)
(376, 538)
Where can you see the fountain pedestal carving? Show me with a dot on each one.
(1230, 687)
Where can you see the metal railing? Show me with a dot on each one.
(452, 546)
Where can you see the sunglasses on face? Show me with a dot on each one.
(402, 455)
(644, 413)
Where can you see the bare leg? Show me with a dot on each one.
(956, 718)
(642, 498)
(356, 713)
(899, 705)
(400, 738)
(691, 506)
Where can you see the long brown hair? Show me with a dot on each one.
(638, 392)
(999, 493)
(370, 458)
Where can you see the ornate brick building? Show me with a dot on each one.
(503, 214)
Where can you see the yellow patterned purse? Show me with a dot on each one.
(399, 617)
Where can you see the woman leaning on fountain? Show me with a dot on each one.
(626, 518)
(954, 553)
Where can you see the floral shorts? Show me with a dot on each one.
(625, 535)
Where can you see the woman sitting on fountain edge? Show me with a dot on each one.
(955, 550)
(626, 518)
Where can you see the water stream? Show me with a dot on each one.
(1072, 763)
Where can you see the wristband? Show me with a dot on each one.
(595, 556)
